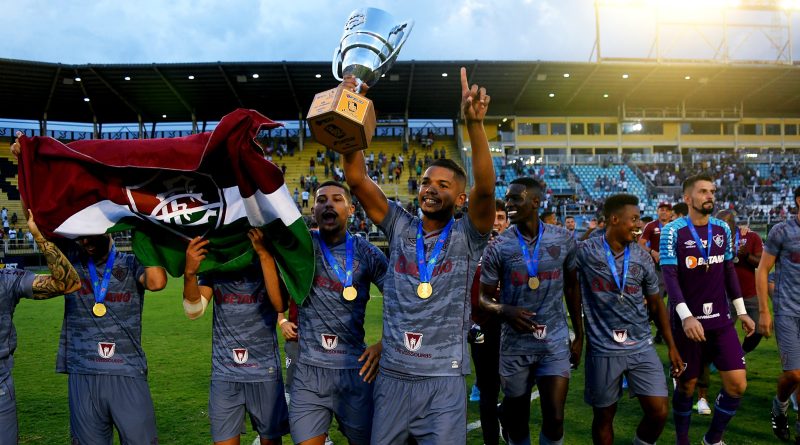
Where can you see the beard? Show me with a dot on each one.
(443, 214)
(703, 210)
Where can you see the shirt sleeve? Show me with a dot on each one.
(732, 287)
(668, 247)
(22, 286)
(490, 264)
(380, 265)
(475, 239)
(647, 233)
(729, 244)
(395, 221)
(774, 240)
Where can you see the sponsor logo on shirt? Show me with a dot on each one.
(690, 244)
(240, 356)
(620, 335)
(409, 267)
(106, 349)
(719, 239)
(234, 298)
(520, 278)
(413, 341)
(539, 331)
(692, 261)
(708, 312)
(329, 341)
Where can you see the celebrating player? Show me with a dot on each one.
(697, 262)
(782, 246)
(245, 359)
(534, 263)
(420, 390)
(616, 275)
(16, 284)
(335, 369)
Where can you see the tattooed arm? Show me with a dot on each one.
(62, 279)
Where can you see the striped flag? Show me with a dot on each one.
(215, 185)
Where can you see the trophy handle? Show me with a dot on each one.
(336, 62)
(406, 26)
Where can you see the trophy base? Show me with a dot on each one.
(342, 120)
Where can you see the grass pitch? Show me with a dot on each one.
(179, 357)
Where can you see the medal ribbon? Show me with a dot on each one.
(531, 261)
(736, 244)
(613, 265)
(101, 289)
(707, 253)
(345, 276)
(426, 268)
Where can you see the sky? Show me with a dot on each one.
(176, 31)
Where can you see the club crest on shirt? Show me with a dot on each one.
(554, 251)
(708, 308)
(635, 270)
(329, 341)
(240, 355)
(119, 273)
(620, 335)
(539, 331)
(106, 349)
(719, 240)
(412, 340)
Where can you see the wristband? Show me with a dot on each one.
(197, 309)
(683, 311)
(738, 304)
(280, 323)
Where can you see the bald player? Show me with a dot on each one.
(420, 391)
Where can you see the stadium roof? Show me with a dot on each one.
(283, 90)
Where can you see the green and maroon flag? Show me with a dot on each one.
(216, 185)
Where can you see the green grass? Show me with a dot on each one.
(178, 352)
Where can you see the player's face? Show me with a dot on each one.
(500, 221)
(95, 246)
(701, 197)
(664, 214)
(521, 203)
(550, 219)
(331, 209)
(569, 224)
(440, 192)
(625, 224)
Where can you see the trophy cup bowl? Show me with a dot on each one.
(343, 120)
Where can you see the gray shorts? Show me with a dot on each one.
(318, 394)
(8, 412)
(432, 410)
(264, 401)
(518, 373)
(787, 333)
(603, 381)
(98, 403)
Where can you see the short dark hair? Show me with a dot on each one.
(545, 214)
(452, 166)
(615, 203)
(530, 183)
(689, 182)
(499, 205)
(680, 208)
(568, 217)
(340, 185)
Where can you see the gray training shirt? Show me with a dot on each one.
(503, 262)
(111, 344)
(14, 284)
(331, 329)
(244, 342)
(428, 337)
(783, 242)
(614, 326)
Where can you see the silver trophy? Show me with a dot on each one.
(344, 120)
(369, 45)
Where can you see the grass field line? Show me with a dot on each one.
(477, 424)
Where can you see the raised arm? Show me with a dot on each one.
(474, 104)
(361, 185)
(195, 297)
(62, 279)
(277, 294)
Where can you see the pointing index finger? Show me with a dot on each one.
(464, 83)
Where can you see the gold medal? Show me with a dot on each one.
(424, 290)
(736, 259)
(99, 309)
(349, 293)
(533, 282)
